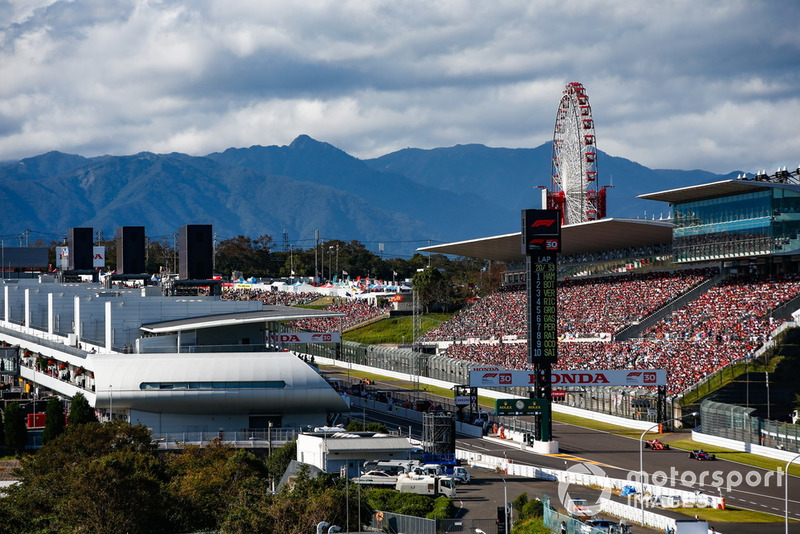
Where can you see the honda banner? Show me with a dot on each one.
(304, 337)
(499, 377)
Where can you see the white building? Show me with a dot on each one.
(331, 452)
(174, 364)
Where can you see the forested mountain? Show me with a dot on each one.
(403, 199)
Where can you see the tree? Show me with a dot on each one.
(120, 494)
(16, 431)
(431, 286)
(160, 256)
(93, 478)
(279, 460)
(54, 423)
(214, 485)
(354, 425)
(80, 411)
(251, 256)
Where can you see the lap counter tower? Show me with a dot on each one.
(541, 241)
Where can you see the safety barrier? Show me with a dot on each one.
(651, 519)
(558, 408)
(652, 492)
(743, 446)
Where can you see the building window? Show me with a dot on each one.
(263, 384)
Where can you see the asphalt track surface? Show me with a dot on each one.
(742, 486)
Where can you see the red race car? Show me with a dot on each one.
(656, 445)
(702, 455)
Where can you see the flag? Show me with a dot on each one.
(344, 273)
(292, 273)
(394, 273)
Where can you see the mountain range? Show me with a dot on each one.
(404, 199)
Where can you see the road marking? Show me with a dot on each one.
(576, 459)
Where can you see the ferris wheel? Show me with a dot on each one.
(574, 163)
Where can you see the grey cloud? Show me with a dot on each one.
(670, 83)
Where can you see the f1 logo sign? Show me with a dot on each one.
(504, 378)
(538, 224)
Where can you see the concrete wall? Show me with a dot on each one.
(743, 446)
(165, 422)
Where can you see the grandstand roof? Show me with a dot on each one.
(592, 236)
(269, 313)
(714, 190)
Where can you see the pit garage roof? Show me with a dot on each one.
(714, 190)
(269, 313)
(592, 236)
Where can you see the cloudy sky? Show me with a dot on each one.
(677, 84)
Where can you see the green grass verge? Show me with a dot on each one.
(729, 515)
(719, 380)
(394, 331)
(722, 453)
(597, 425)
(686, 444)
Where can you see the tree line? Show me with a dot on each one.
(260, 257)
(110, 478)
(446, 282)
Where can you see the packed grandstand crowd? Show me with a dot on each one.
(275, 298)
(587, 307)
(723, 324)
(726, 323)
(356, 312)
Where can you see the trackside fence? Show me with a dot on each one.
(737, 423)
(630, 403)
(406, 524)
(272, 438)
(402, 524)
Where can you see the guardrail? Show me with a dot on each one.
(256, 439)
(652, 492)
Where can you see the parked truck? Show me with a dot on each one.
(427, 485)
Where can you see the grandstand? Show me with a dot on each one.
(628, 299)
(711, 297)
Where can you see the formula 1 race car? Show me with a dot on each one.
(700, 454)
(656, 445)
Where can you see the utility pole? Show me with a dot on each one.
(316, 256)
(214, 252)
